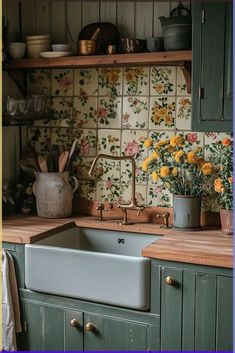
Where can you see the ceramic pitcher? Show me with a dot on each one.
(54, 194)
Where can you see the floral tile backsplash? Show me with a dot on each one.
(113, 111)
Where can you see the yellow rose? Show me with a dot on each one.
(161, 143)
(159, 88)
(148, 142)
(145, 166)
(155, 176)
(168, 120)
(164, 172)
(178, 155)
(200, 161)
(191, 157)
(230, 180)
(218, 185)
(174, 171)
(129, 76)
(208, 168)
(155, 155)
(176, 141)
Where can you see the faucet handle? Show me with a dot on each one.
(100, 208)
(140, 208)
(165, 217)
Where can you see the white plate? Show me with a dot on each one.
(55, 54)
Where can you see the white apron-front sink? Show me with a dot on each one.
(96, 265)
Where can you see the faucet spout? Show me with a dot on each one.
(132, 204)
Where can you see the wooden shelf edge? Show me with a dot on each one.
(160, 58)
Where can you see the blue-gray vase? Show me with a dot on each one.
(187, 212)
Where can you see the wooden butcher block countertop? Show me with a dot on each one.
(206, 247)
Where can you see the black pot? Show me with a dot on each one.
(177, 30)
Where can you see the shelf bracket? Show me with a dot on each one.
(186, 69)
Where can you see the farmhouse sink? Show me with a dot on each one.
(95, 265)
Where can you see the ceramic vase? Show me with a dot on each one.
(54, 194)
(187, 212)
(226, 217)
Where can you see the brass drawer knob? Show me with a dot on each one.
(170, 280)
(90, 327)
(74, 323)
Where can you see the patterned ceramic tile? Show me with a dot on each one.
(39, 82)
(211, 137)
(194, 138)
(107, 169)
(163, 81)
(62, 82)
(62, 137)
(86, 190)
(136, 81)
(135, 113)
(40, 138)
(82, 166)
(110, 82)
(140, 194)
(133, 145)
(109, 142)
(108, 190)
(85, 82)
(157, 195)
(84, 112)
(183, 115)
(162, 110)
(87, 141)
(181, 84)
(62, 111)
(109, 113)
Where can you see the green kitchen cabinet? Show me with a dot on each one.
(212, 66)
(196, 307)
(49, 327)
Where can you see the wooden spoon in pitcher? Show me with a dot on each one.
(63, 158)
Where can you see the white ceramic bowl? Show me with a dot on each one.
(17, 50)
(34, 49)
(61, 47)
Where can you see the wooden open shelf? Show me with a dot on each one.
(160, 58)
(181, 59)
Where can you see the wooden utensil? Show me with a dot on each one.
(74, 144)
(43, 163)
(63, 158)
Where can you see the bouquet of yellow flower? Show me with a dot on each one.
(222, 156)
(181, 168)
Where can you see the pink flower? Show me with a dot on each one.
(85, 146)
(132, 148)
(65, 82)
(191, 138)
(125, 117)
(158, 190)
(137, 171)
(101, 112)
(109, 184)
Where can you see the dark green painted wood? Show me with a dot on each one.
(228, 83)
(53, 329)
(73, 335)
(154, 337)
(171, 310)
(205, 315)
(224, 328)
(155, 302)
(114, 334)
(32, 339)
(188, 313)
(211, 111)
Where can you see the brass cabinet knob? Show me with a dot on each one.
(74, 323)
(170, 280)
(90, 327)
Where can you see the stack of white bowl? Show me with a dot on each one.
(37, 44)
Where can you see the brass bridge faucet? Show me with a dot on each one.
(133, 204)
(165, 217)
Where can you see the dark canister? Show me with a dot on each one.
(177, 29)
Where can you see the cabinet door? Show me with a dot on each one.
(196, 311)
(114, 334)
(48, 328)
(210, 60)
